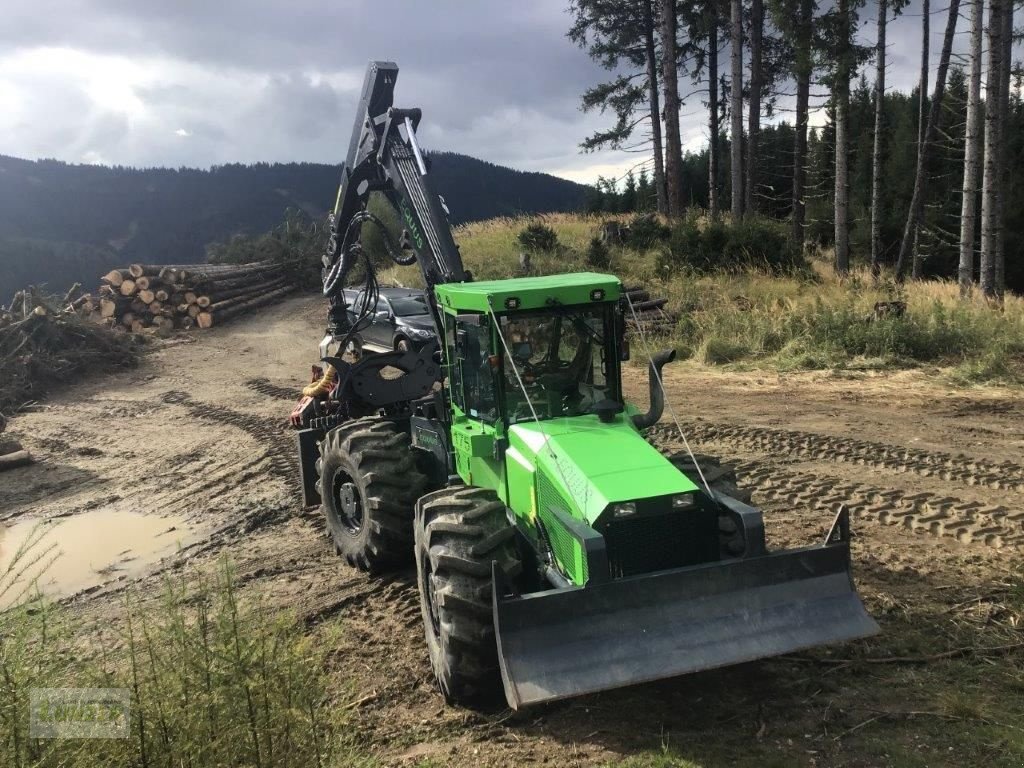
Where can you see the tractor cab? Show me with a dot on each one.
(533, 349)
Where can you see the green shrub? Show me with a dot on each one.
(538, 237)
(752, 243)
(647, 231)
(716, 350)
(598, 255)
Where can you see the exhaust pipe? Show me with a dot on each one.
(649, 419)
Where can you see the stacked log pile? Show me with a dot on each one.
(47, 339)
(648, 314)
(168, 296)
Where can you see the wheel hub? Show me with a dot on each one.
(349, 504)
(428, 588)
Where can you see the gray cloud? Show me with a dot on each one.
(194, 82)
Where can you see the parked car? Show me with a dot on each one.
(402, 320)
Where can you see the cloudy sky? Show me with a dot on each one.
(202, 82)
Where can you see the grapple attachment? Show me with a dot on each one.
(566, 642)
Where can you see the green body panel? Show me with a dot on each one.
(591, 464)
(531, 292)
(473, 442)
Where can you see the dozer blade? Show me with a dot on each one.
(566, 642)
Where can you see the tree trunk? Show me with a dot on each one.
(931, 126)
(841, 97)
(669, 77)
(922, 109)
(1004, 118)
(713, 147)
(655, 105)
(802, 72)
(754, 114)
(876, 154)
(990, 220)
(736, 108)
(972, 152)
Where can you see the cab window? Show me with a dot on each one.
(476, 363)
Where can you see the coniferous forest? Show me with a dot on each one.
(923, 186)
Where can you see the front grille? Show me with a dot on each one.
(658, 542)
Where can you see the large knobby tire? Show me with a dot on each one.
(722, 479)
(368, 487)
(459, 532)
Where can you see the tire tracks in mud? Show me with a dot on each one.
(272, 436)
(969, 522)
(1006, 475)
(266, 387)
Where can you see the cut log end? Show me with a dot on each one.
(114, 277)
(204, 320)
(16, 459)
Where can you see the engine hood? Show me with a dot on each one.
(594, 464)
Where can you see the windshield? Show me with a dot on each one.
(561, 360)
(404, 306)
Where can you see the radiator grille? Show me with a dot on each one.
(567, 548)
(658, 542)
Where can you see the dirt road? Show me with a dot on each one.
(195, 438)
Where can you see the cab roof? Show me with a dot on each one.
(528, 292)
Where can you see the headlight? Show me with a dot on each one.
(420, 333)
(624, 510)
(682, 501)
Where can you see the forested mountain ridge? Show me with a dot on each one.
(61, 223)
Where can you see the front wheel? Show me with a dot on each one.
(459, 532)
(368, 487)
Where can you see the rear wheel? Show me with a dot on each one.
(368, 487)
(722, 479)
(459, 532)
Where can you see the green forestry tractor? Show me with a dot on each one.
(555, 548)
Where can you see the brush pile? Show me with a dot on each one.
(647, 314)
(45, 340)
(165, 297)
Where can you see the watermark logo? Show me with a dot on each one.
(79, 713)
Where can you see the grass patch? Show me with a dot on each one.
(771, 311)
(211, 681)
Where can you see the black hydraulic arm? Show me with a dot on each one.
(384, 156)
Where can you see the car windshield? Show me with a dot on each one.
(561, 363)
(404, 306)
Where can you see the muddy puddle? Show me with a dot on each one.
(66, 555)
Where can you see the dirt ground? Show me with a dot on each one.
(934, 478)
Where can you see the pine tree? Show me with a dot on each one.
(619, 35)
(972, 152)
(670, 83)
(795, 19)
(930, 128)
(736, 106)
(841, 104)
(754, 114)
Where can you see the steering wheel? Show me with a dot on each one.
(559, 382)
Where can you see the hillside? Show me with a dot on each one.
(60, 223)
